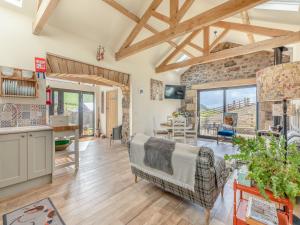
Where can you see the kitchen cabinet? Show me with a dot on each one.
(39, 154)
(13, 159)
(25, 156)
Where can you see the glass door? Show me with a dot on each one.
(211, 108)
(242, 101)
(79, 106)
(88, 111)
(71, 106)
(212, 104)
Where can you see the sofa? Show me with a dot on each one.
(207, 187)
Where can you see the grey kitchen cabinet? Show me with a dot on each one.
(13, 159)
(39, 153)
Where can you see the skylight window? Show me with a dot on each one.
(182, 58)
(281, 5)
(18, 3)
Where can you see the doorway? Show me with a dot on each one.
(78, 105)
(111, 111)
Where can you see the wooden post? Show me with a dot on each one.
(135, 178)
(207, 216)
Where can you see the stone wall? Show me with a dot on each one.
(125, 117)
(240, 67)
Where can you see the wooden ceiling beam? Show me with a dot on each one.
(77, 78)
(237, 51)
(183, 9)
(173, 12)
(161, 17)
(196, 47)
(218, 39)
(135, 18)
(220, 12)
(246, 20)
(206, 38)
(138, 27)
(265, 31)
(181, 46)
(45, 10)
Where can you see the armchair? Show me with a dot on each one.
(227, 129)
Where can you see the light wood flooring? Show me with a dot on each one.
(103, 192)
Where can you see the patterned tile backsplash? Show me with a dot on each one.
(21, 115)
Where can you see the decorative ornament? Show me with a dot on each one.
(215, 33)
(100, 53)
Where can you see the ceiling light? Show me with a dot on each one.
(281, 5)
(18, 3)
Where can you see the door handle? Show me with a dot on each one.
(22, 136)
(30, 135)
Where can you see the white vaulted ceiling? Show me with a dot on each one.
(96, 20)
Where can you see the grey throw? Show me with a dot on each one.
(158, 154)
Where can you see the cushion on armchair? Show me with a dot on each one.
(227, 133)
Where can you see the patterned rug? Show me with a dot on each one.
(42, 212)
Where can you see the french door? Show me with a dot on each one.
(212, 104)
(79, 106)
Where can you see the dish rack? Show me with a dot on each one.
(18, 83)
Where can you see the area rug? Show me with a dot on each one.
(42, 212)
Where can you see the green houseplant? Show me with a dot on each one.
(268, 167)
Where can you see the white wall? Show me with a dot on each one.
(296, 53)
(18, 47)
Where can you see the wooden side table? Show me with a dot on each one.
(240, 207)
(67, 131)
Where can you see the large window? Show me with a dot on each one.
(79, 106)
(212, 104)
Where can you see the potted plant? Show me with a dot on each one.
(269, 168)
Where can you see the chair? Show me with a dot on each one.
(192, 134)
(179, 129)
(227, 129)
(116, 134)
(159, 132)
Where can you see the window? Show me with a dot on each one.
(18, 3)
(281, 5)
(212, 104)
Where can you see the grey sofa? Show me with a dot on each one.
(210, 179)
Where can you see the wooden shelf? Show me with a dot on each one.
(20, 82)
(241, 205)
(242, 209)
(18, 78)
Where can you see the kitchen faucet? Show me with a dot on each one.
(15, 118)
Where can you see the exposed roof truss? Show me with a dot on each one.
(195, 26)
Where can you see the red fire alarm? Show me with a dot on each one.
(48, 96)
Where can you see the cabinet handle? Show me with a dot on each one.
(30, 135)
(22, 136)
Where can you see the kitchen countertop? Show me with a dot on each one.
(14, 130)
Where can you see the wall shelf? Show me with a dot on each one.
(15, 84)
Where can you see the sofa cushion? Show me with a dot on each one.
(227, 133)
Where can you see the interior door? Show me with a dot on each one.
(111, 111)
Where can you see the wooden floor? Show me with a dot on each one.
(103, 192)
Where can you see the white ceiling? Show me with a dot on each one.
(95, 20)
